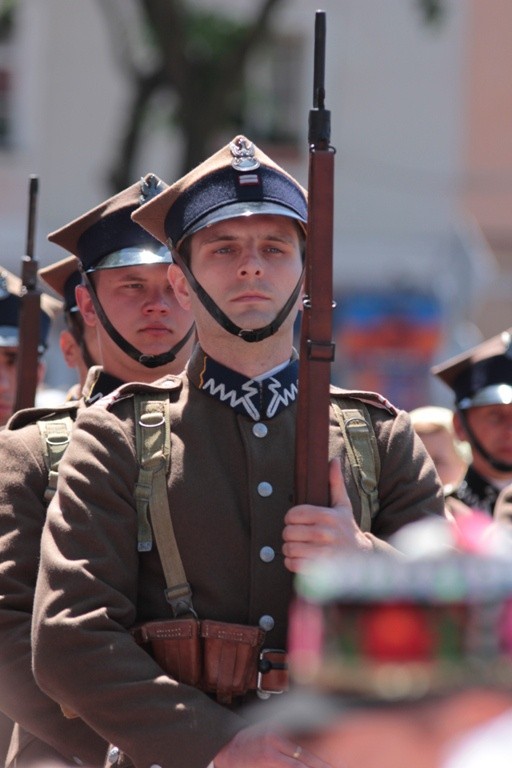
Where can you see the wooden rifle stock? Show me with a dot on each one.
(316, 346)
(30, 315)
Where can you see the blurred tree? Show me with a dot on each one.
(6, 18)
(186, 64)
(433, 11)
(187, 61)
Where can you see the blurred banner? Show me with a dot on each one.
(386, 341)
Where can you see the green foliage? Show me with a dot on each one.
(7, 8)
(209, 36)
(433, 11)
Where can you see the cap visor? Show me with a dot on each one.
(496, 394)
(129, 257)
(236, 210)
(9, 336)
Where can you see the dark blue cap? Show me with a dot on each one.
(10, 305)
(63, 276)
(238, 180)
(106, 237)
(481, 376)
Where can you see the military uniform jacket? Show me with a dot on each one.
(41, 728)
(230, 485)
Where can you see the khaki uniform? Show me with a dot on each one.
(42, 732)
(229, 490)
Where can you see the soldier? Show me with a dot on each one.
(10, 290)
(236, 223)
(126, 270)
(78, 342)
(10, 302)
(481, 380)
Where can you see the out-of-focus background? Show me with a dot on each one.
(95, 93)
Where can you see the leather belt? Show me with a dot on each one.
(272, 672)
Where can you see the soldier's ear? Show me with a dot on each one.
(69, 348)
(180, 286)
(85, 305)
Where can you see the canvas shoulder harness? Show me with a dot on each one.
(361, 445)
(153, 448)
(54, 425)
(55, 434)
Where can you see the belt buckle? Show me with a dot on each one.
(265, 666)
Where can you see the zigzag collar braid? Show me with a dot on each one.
(255, 399)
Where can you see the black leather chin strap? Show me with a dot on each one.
(148, 361)
(501, 466)
(208, 303)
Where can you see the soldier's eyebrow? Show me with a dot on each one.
(133, 274)
(223, 238)
(216, 238)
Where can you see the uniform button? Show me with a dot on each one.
(266, 622)
(260, 430)
(267, 554)
(113, 755)
(265, 489)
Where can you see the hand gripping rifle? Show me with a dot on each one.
(30, 315)
(316, 346)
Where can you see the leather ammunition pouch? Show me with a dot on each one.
(217, 657)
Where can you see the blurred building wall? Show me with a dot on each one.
(487, 187)
(409, 121)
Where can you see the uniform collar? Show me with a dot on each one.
(477, 492)
(98, 384)
(257, 399)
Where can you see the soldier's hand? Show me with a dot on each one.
(257, 747)
(311, 532)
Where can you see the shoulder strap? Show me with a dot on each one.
(361, 445)
(153, 445)
(55, 434)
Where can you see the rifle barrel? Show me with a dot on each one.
(319, 61)
(316, 346)
(33, 190)
(29, 322)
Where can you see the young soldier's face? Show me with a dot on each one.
(248, 265)
(492, 426)
(142, 307)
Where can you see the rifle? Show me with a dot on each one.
(316, 346)
(30, 315)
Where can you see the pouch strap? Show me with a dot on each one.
(55, 435)
(153, 442)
